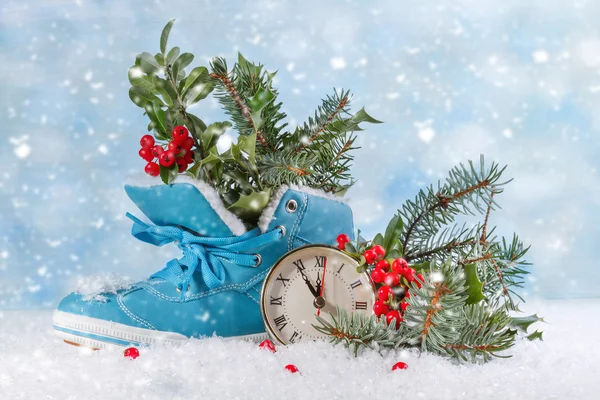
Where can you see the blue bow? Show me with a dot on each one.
(205, 254)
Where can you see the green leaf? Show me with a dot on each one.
(198, 126)
(138, 78)
(362, 116)
(523, 323)
(392, 233)
(164, 36)
(240, 177)
(378, 239)
(172, 56)
(197, 86)
(211, 134)
(160, 59)
(168, 174)
(167, 91)
(246, 145)
(210, 161)
(537, 335)
(249, 207)
(141, 97)
(160, 118)
(257, 103)
(474, 285)
(148, 63)
(179, 65)
(420, 268)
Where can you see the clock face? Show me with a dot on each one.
(307, 281)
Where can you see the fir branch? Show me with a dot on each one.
(330, 109)
(463, 191)
(283, 168)
(359, 331)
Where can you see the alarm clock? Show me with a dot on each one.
(310, 281)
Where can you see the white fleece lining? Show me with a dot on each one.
(210, 194)
(269, 211)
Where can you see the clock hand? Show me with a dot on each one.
(323, 286)
(318, 282)
(314, 291)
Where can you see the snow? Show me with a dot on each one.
(36, 365)
(92, 287)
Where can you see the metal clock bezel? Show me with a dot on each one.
(270, 330)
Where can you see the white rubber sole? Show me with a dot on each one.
(97, 334)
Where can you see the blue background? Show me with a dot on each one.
(516, 80)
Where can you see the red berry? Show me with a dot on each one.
(406, 294)
(187, 143)
(384, 293)
(394, 314)
(189, 156)
(152, 169)
(132, 353)
(146, 154)
(174, 147)
(377, 275)
(292, 368)
(379, 251)
(379, 308)
(383, 264)
(392, 279)
(181, 165)
(420, 280)
(157, 150)
(167, 158)
(268, 345)
(398, 265)
(147, 141)
(404, 306)
(179, 133)
(343, 238)
(370, 256)
(409, 274)
(399, 365)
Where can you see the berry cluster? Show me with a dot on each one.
(177, 151)
(392, 278)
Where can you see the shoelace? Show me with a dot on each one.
(205, 254)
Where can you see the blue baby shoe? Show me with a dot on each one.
(214, 288)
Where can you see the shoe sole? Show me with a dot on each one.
(93, 333)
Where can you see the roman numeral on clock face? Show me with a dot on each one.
(320, 261)
(340, 270)
(299, 265)
(360, 305)
(280, 322)
(356, 284)
(295, 337)
(276, 301)
(283, 280)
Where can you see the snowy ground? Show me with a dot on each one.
(35, 365)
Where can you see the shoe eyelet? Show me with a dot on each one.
(291, 206)
(283, 231)
(258, 260)
(180, 287)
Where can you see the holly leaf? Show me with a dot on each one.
(474, 285)
(210, 135)
(523, 323)
(392, 233)
(363, 116)
(246, 145)
(257, 103)
(164, 36)
(148, 63)
(168, 174)
(537, 335)
(249, 207)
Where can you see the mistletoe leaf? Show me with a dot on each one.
(164, 36)
(392, 233)
(148, 63)
(172, 55)
(474, 285)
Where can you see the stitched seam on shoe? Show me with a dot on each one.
(248, 294)
(300, 238)
(296, 225)
(256, 279)
(132, 315)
